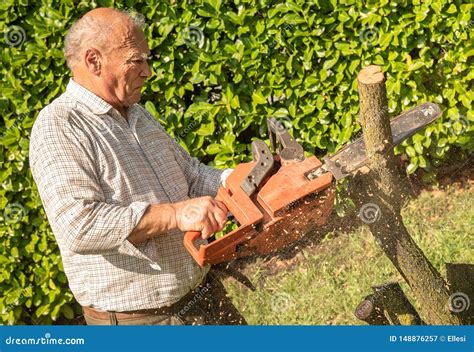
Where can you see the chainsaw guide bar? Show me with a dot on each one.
(352, 157)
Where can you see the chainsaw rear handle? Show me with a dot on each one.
(189, 238)
(242, 208)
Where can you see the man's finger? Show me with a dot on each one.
(206, 233)
(220, 215)
(220, 221)
(211, 223)
(221, 206)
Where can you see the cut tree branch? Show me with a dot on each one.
(384, 186)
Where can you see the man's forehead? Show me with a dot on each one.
(127, 34)
(136, 45)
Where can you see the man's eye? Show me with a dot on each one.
(138, 61)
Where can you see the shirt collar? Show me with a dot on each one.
(93, 102)
(134, 113)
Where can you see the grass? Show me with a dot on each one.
(324, 283)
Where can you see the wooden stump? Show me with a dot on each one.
(371, 311)
(388, 305)
(382, 185)
(396, 305)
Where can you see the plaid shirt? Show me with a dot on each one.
(97, 173)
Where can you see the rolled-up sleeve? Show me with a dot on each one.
(64, 168)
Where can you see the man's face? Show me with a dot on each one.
(124, 70)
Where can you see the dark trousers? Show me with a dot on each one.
(207, 305)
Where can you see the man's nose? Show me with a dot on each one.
(146, 72)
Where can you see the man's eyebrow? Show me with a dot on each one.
(144, 56)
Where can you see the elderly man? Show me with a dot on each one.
(119, 192)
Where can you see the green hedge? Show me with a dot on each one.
(220, 69)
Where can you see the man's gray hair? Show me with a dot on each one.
(90, 32)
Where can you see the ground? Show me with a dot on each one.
(321, 280)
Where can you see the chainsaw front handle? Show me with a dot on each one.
(288, 149)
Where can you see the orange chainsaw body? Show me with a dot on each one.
(285, 205)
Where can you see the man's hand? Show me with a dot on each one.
(204, 214)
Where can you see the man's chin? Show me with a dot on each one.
(134, 98)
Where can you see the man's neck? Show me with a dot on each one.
(93, 89)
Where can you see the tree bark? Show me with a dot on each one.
(383, 195)
(396, 305)
(460, 279)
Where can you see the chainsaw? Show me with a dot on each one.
(277, 199)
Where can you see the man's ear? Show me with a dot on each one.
(92, 60)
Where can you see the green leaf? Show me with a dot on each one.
(411, 168)
(410, 151)
(257, 98)
(293, 19)
(169, 93)
(213, 149)
(67, 312)
(151, 108)
(42, 310)
(452, 9)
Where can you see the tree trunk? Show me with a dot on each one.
(383, 202)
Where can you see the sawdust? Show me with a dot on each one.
(459, 178)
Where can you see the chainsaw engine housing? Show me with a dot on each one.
(274, 199)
